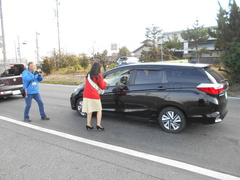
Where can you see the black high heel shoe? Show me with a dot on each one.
(100, 128)
(89, 127)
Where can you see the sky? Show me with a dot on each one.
(93, 25)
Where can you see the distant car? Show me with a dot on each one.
(11, 79)
(127, 60)
(173, 94)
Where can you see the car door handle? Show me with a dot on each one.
(161, 88)
(123, 90)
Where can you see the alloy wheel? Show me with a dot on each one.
(79, 108)
(171, 120)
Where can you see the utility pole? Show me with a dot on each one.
(59, 47)
(161, 52)
(19, 50)
(3, 36)
(16, 54)
(161, 46)
(37, 48)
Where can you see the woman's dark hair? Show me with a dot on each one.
(95, 70)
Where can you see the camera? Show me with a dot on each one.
(39, 72)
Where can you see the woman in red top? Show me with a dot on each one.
(91, 97)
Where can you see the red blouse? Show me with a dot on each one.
(90, 92)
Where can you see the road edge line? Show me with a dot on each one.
(142, 155)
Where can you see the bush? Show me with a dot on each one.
(46, 66)
(231, 61)
(111, 66)
(84, 62)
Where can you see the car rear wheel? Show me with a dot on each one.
(172, 120)
(79, 106)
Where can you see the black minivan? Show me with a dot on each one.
(173, 94)
(11, 79)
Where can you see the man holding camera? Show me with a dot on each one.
(30, 78)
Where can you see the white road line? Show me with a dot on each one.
(234, 98)
(154, 158)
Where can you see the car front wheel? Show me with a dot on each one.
(172, 120)
(79, 105)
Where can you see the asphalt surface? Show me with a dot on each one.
(30, 154)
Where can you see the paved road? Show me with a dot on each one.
(30, 154)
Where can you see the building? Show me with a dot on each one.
(138, 52)
(188, 50)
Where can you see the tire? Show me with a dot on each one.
(79, 107)
(172, 120)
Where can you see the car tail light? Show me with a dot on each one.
(211, 88)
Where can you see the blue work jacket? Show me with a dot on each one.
(30, 81)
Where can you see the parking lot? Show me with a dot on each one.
(72, 152)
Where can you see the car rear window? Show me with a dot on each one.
(217, 76)
(11, 70)
(192, 75)
(151, 77)
(17, 69)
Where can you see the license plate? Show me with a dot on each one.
(16, 92)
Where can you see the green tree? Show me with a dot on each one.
(228, 38)
(197, 35)
(70, 60)
(171, 46)
(124, 51)
(47, 65)
(231, 61)
(152, 37)
(75, 62)
(228, 29)
(201, 51)
(146, 56)
(104, 59)
(84, 62)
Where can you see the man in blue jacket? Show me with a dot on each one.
(30, 78)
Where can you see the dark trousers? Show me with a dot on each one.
(28, 100)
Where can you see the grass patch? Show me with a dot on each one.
(65, 79)
(67, 76)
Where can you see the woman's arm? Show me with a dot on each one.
(101, 83)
